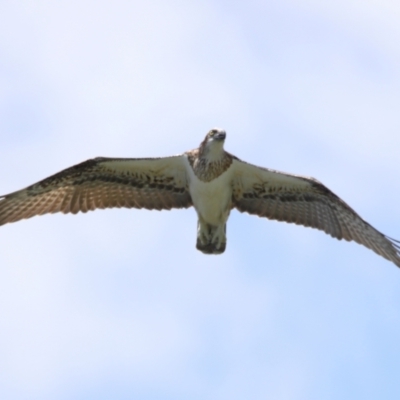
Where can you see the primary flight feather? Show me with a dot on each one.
(207, 178)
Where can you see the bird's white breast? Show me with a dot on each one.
(212, 200)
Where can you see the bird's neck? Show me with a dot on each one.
(209, 163)
(213, 152)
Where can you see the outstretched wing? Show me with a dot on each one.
(152, 183)
(305, 201)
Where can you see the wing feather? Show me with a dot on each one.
(305, 201)
(151, 183)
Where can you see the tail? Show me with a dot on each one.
(211, 239)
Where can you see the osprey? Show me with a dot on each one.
(207, 178)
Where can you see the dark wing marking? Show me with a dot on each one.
(305, 201)
(152, 183)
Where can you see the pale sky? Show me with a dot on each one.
(118, 304)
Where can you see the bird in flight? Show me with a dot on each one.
(208, 178)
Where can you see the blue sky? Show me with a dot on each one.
(118, 303)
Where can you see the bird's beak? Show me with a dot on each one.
(220, 136)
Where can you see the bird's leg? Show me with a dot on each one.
(203, 237)
(203, 232)
(219, 239)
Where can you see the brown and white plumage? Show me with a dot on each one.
(154, 183)
(305, 201)
(211, 180)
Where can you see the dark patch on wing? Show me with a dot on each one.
(96, 184)
(312, 205)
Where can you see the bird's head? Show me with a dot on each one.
(213, 144)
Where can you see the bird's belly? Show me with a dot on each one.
(212, 200)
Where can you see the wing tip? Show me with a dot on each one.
(395, 253)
